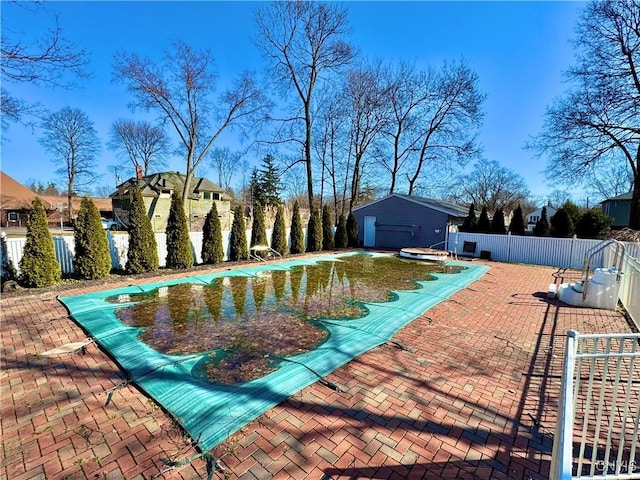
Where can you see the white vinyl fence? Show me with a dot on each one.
(552, 252)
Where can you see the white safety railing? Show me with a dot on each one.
(629, 294)
(598, 425)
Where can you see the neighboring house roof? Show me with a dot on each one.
(152, 185)
(624, 196)
(15, 196)
(435, 204)
(550, 211)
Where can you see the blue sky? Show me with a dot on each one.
(519, 50)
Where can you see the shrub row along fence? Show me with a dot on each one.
(119, 245)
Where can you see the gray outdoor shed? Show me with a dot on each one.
(402, 221)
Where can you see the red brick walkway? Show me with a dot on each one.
(474, 398)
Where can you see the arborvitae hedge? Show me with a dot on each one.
(497, 222)
(470, 221)
(238, 249)
(516, 226)
(561, 224)
(179, 253)
(484, 225)
(314, 231)
(352, 230)
(142, 255)
(297, 234)
(38, 266)
(328, 242)
(92, 256)
(279, 234)
(341, 238)
(541, 228)
(212, 249)
(258, 230)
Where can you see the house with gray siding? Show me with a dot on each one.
(402, 221)
(619, 209)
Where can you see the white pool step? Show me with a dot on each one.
(602, 290)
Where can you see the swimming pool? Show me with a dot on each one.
(175, 359)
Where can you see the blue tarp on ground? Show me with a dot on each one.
(211, 412)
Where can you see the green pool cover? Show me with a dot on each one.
(211, 412)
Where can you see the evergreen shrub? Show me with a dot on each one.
(297, 234)
(38, 266)
(279, 234)
(179, 254)
(238, 243)
(352, 231)
(142, 255)
(92, 257)
(212, 249)
(328, 242)
(341, 238)
(314, 231)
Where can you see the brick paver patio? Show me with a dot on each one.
(475, 397)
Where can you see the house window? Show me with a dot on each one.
(216, 196)
(206, 195)
(12, 216)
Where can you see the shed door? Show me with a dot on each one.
(369, 231)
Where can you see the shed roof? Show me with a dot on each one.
(624, 196)
(443, 206)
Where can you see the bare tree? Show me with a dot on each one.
(612, 181)
(491, 185)
(71, 138)
(598, 119)
(226, 164)
(367, 98)
(41, 62)
(447, 123)
(409, 94)
(302, 41)
(144, 144)
(180, 89)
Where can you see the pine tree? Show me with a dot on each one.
(341, 239)
(258, 230)
(470, 222)
(497, 222)
(38, 266)
(212, 249)
(269, 182)
(238, 249)
(142, 255)
(516, 226)
(541, 228)
(327, 228)
(92, 257)
(561, 224)
(279, 234)
(297, 234)
(352, 231)
(179, 254)
(314, 231)
(484, 224)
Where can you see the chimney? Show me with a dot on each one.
(138, 172)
